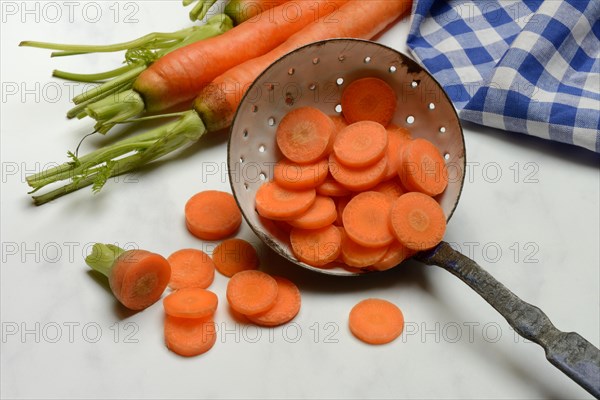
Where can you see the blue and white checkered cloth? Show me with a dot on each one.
(525, 66)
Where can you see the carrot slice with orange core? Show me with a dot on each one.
(361, 144)
(357, 256)
(397, 136)
(304, 135)
(191, 268)
(294, 176)
(212, 215)
(366, 219)
(191, 303)
(357, 179)
(395, 254)
(423, 168)
(369, 99)
(189, 337)
(235, 255)
(287, 305)
(376, 321)
(316, 247)
(418, 221)
(276, 202)
(332, 188)
(251, 292)
(322, 213)
(391, 188)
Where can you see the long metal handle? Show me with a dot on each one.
(567, 351)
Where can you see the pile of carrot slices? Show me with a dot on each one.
(355, 189)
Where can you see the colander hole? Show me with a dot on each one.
(291, 71)
(447, 156)
(341, 58)
(431, 106)
(262, 176)
(414, 84)
(316, 60)
(270, 87)
(271, 121)
(289, 100)
(246, 186)
(254, 108)
(340, 81)
(245, 133)
(262, 148)
(410, 119)
(338, 108)
(242, 160)
(312, 86)
(367, 60)
(392, 69)
(443, 129)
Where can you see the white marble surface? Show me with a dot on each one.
(59, 325)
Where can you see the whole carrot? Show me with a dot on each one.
(217, 102)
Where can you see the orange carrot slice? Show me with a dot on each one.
(251, 292)
(316, 247)
(276, 202)
(369, 99)
(191, 268)
(287, 305)
(294, 176)
(304, 135)
(191, 303)
(341, 204)
(397, 137)
(366, 219)
(391, 188)
(357, 179)
(322, 213)
(189, 337)
(332, 188)
(361, 144)
(376, 321)
(357, 256)
(395, 254)
(235, 255)
(339, 121)
(417, 221)
(212, 215)
(423, 168)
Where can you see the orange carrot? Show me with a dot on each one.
(376, 321)
(137, 278)
(316, 247)
(366, 219)
(297, 177)
(418, 221)
(332, 188)
(235, 255)
(395, 254)
(191, 303)
(189, 337)
(357, 256)
(251, 292)
(423, 168)
(212, 215)
(339, 121)
(340, 205)
(392, 188)
(178, 76)
(369, 99)
(275, 202)
(305, 135)
(217, 103)
(357, 179)
(321, 214)
(397, 137)
(191, 268)
(287, 305)
(361, 144)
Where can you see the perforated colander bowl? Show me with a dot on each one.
(316, 75)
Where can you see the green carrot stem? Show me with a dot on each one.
(78, 110)
(200, 9)
(126, 77)
(102, 257)
(114, 109)
(100, 76)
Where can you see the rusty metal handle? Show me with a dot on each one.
(567, 351)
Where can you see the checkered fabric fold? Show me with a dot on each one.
(525, 66)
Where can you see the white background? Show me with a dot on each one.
(543, 208)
